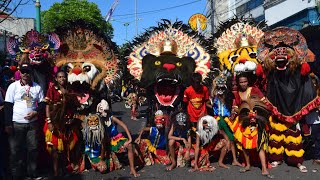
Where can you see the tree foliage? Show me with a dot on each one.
(68, 10)
(124, 51)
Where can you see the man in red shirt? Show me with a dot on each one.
(196, 97)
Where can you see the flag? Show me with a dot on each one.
(113, 7)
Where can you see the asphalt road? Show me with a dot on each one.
(283, 172)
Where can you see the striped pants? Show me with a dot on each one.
(285, 140)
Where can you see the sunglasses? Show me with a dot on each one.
(25, 72)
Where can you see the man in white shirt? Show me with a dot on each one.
(24, 99)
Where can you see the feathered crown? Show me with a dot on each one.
(240, 34)
(20, 47)
(174, 38)
(283, 37)
(84, 42)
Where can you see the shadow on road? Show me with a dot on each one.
(118, 113)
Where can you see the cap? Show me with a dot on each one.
(25, 67)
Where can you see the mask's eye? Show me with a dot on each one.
(262, 111)
(179, 64)
(233, 58)
(244, 111)
(68, 69)
(86, 68)
(253, 55)
(157, 63)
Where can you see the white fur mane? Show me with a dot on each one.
(207, 135)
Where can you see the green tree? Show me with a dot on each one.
(60, 13)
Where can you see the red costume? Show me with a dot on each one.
(58, 138)
(196, 102)
(251, 91)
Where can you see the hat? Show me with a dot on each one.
(25, 67)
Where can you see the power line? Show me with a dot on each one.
(158, 10)
(205, 7)
(11, 12)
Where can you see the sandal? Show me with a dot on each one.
(268, 176)
(275, 164)
(303, 169)
(243, 170)
(135, 175)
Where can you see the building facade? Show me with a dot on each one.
(295, 14)
(13, 26)
(222, 10)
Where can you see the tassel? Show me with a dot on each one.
(13, 68)
(55, 69)
(259, 70)
(305, 69)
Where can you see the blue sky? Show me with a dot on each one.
(124, 7)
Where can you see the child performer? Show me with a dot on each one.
(154, 148)
(179, 138)
(118, 143)
(221, 105)
(206, 142)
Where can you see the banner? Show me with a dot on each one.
(113, 7)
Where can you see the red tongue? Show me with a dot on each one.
(83, 99)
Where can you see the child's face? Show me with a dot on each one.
(61, 78)
(243, 83)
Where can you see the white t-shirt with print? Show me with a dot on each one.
(25, 99)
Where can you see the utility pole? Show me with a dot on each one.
(126, 25)
(213, 9)
(38, 18)
(136, 15)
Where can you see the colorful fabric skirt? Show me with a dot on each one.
(247, 137)
(152, 155)
(111, 161)
(222, 123)
(117, 143)
(213, 147)
(117, 146)
(181, 152)
(58, 140)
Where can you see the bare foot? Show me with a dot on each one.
(134, 118)
(172, 166)
(243, 170)
(193, 170)
(134, 173)
(223, 165)
(236, 163)
(209, 169)
(316, 161)
(267, 175)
